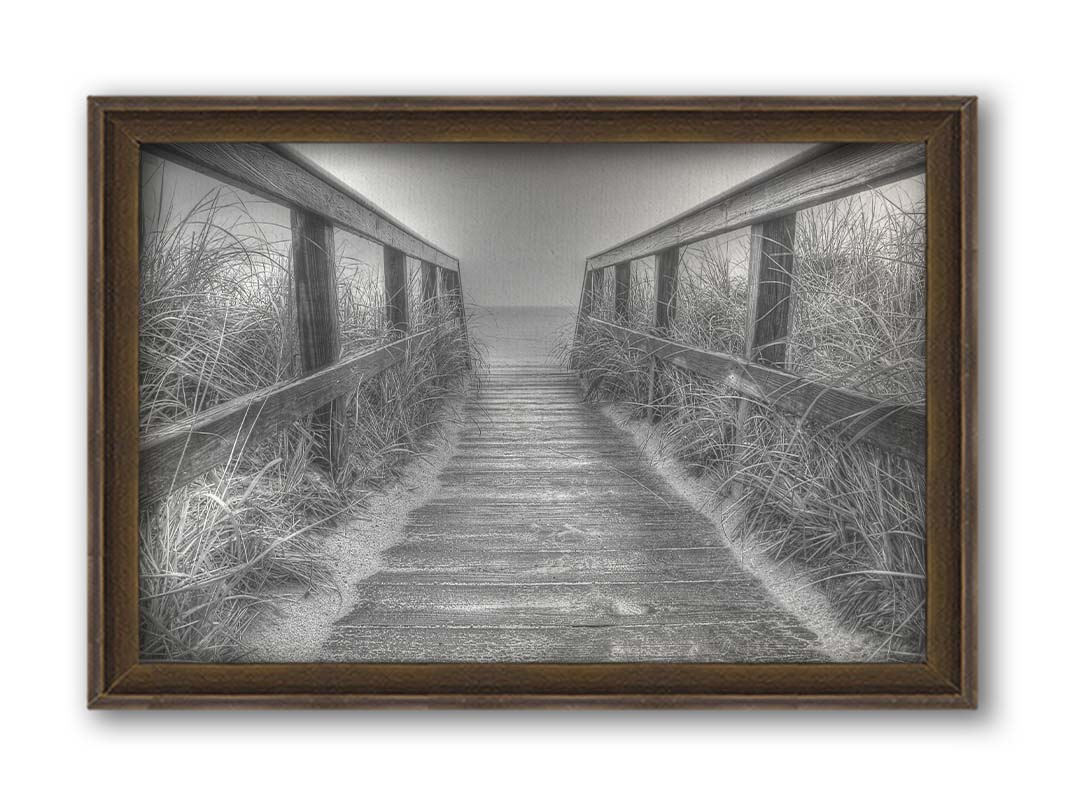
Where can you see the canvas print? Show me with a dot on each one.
(532, 403)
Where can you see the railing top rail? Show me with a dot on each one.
(279, 173)
(818, 175)
(306, 163)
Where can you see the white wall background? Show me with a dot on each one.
(53, 57)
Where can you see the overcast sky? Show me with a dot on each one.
(522, 218)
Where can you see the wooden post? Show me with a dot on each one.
(596, 289)
(770, 286)
(315, 285)
(622, 293)
(463, 314)
(396, 296)
(451, 289)
(586, 304)
(429, 286)
(666, 280)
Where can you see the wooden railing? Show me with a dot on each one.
(172, 456)
(769, 204)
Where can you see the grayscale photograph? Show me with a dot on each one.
(554, 403)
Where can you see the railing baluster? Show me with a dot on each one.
(429, 286)
(451, 289)
(666, 280)
(315, 283)
(396, 295)
(770, 289)
(666, 284)
(770, 286)
(587, 295)
(596, 290)
(622, 292)
(463, 315)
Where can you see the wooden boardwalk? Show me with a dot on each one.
(552, 539)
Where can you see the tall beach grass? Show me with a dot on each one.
(217, 321)
(848, 517)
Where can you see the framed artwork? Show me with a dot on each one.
(511, 402)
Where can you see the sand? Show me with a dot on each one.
(298, 627)
(781, 579)
(302, 622)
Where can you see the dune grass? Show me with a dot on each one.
(216, 323)
(849, 517)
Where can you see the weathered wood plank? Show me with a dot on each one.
(622, 292)
(280, 175)
(717, 641)
(427, 564)
(455, 530)
(315, 287)
(178, 453)
(396, 290)
(827, 176)
(897, 428)
(648, 598)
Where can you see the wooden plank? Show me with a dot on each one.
(279, 175)
(315, 285)
(622, 292)
(396, 294)
(648, 598)
(176, 454)
(897, 428)
(425, 562)
(819, 179)
(711, 642)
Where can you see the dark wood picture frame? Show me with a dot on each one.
(120, 126)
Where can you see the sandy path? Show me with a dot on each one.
(781, 579)
(302, 622)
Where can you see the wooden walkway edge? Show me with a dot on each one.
(551, 539)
